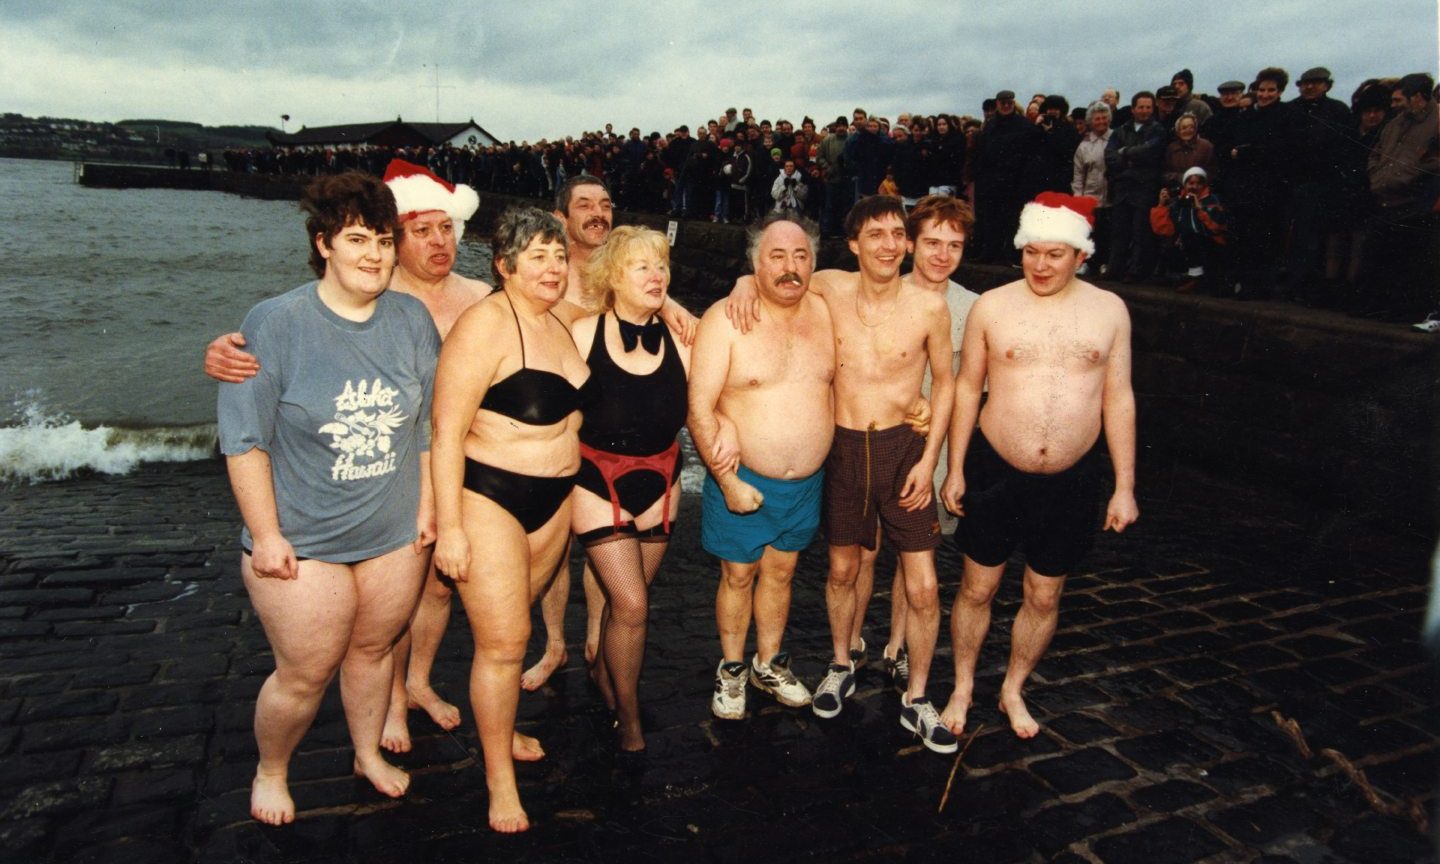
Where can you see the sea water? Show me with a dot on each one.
(108, 298)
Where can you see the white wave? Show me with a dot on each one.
(47, 447)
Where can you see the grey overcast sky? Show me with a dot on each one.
(526, 70)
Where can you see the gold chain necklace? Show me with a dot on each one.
(891, 314)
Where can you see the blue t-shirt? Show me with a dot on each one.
(343, 409)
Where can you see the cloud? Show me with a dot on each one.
(532, 69)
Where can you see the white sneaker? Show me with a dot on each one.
(776, 679)
(1431, 324)
(728, 703)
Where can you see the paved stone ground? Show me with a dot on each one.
(129, 662)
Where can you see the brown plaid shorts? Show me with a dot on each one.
(864, 474)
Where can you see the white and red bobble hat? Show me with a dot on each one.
(1054, 217)
(418, 190)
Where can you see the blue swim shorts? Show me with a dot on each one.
(787, 521)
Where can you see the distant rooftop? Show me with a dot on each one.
(395, 133)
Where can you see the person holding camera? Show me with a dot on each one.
(789, 189)
(1197, 224)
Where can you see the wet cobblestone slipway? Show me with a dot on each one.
(1220, 690)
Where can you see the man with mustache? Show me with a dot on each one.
(880, 471)
(583, 206)
(758, 516)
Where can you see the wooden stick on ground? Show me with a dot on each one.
(956, 767)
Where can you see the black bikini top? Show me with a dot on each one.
(531, 396)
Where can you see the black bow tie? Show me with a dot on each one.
(646, 335)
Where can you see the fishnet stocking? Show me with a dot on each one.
(624, 566)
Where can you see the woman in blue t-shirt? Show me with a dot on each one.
(326, 449)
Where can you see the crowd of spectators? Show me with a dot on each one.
(1242, 194)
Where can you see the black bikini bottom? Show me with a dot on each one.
(531, 500)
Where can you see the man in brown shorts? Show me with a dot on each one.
(880, 471)
(1056, 353)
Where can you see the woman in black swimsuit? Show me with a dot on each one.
(504, 458)
(627, 490)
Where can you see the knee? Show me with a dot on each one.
(629, 611)
(844, 572)
(738, 580)
(305, 680)
(503, 644)
(1045, 601)
(922, 594)
(439, 589)
(973, 593)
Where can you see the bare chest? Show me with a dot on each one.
(783, 357)
(1058, 346)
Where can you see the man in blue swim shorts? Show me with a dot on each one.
(764, 395)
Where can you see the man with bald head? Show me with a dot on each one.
(773, 383)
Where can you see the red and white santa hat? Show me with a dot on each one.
(1054, 217)
(418, 190)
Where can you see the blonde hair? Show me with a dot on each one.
(607, 263)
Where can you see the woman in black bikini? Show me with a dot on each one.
(627, 490)
(506, 416)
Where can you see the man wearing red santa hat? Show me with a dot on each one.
(1056, 353)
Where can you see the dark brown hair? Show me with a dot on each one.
(336, 202)
(871, 207)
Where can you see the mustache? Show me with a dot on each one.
(597, 221)
(790, 278)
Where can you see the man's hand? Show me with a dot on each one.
(452, 555)
(680, 320)
(224, 361)
(273, 558)
(742, 307)
(917, 491)
(917, 417)
(725, 455)
(953, 493)
(1121, 512)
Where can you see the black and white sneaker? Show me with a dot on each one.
(728, 703)
(859, 656)
(776, 679)
(898, 669)
(921, 718)
(839, 683)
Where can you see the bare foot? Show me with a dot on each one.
(553, 658)
(445, 715)
(395, 737)
(1020, 719)
(740, 497)
(386, 778)
(955, 710)
(270, 800)
(523, 748)
(506, 814)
